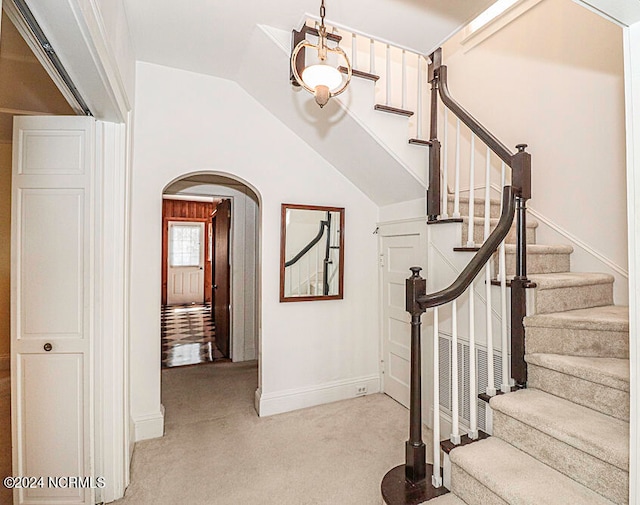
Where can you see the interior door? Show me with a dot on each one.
(52, 304)
(221, 276)
(185, 269)
(399, 253)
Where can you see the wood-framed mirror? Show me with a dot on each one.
(311, 253)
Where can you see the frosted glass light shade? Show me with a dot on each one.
(325, 75)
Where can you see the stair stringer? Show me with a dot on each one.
(335, 132)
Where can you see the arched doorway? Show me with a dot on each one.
(210, 270)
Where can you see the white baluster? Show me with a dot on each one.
(354, 51)
(491, 389)
(436, 479)
(388, 76)
(456, 191)
(308, 262)
(445, 165)
(505, 387)
(404, 79)
(473, 379)
(419, 107)
(506, 375)
(472, 178)
(487, 196)
(455, 423)
(372, 57)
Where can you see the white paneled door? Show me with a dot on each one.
(400, 250)
(52, 307)
(185, 271)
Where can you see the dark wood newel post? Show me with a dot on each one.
(522, 183)
(407, 484)
(433, 193)
(415, 467)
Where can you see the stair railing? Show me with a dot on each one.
(314, 258)
(418, 301)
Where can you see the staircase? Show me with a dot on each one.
(564, 439)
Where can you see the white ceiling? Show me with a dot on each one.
(210, 36)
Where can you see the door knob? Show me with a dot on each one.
(215, 286)
(48, 347)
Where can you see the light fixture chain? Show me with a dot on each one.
(322, 12)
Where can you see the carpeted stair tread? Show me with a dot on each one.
(478, 209)
(557, 292)
(493, 222)
(516, 478)
(541, 259)
(594, 433)
(610, 372)
(447, 499)
(604, 318)
(570, 279)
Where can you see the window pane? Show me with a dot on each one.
(185, 242)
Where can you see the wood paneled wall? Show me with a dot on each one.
(186, 210)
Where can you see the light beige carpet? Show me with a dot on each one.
(216, 450)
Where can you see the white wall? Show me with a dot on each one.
(243, 255)
(553, 78)
(310, 351)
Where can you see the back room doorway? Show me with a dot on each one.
(209, 271)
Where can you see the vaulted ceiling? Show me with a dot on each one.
(210, 36)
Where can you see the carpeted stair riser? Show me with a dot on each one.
(540, 259)
(597, 332)
(478, 231)
(610, 401)
(599, 476)
(472, 491)
(478, 208)
(493, 472)
(546, 301)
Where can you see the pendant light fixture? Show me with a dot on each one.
(322, 79)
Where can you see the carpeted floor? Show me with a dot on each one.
(217, 451)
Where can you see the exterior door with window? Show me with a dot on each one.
(185, 271)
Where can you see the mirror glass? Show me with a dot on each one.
(311, 253)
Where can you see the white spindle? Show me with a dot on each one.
(506, 375)
(456, 191)
(372, 56)
(487, 196)
(404, 79)
(505, 387)
(436, 479)
(308, 262)
(354, 51)
(473, 379)
(419, 107)
(455, 424)
(388, 76)
(472, 178)
(491, 388)
(445, 165)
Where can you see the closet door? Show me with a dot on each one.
(52, 306)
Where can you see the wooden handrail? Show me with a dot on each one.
(464, 280)
(473, 124)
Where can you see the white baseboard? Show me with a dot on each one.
(5, 362)
(293, 399)
(149, 426)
